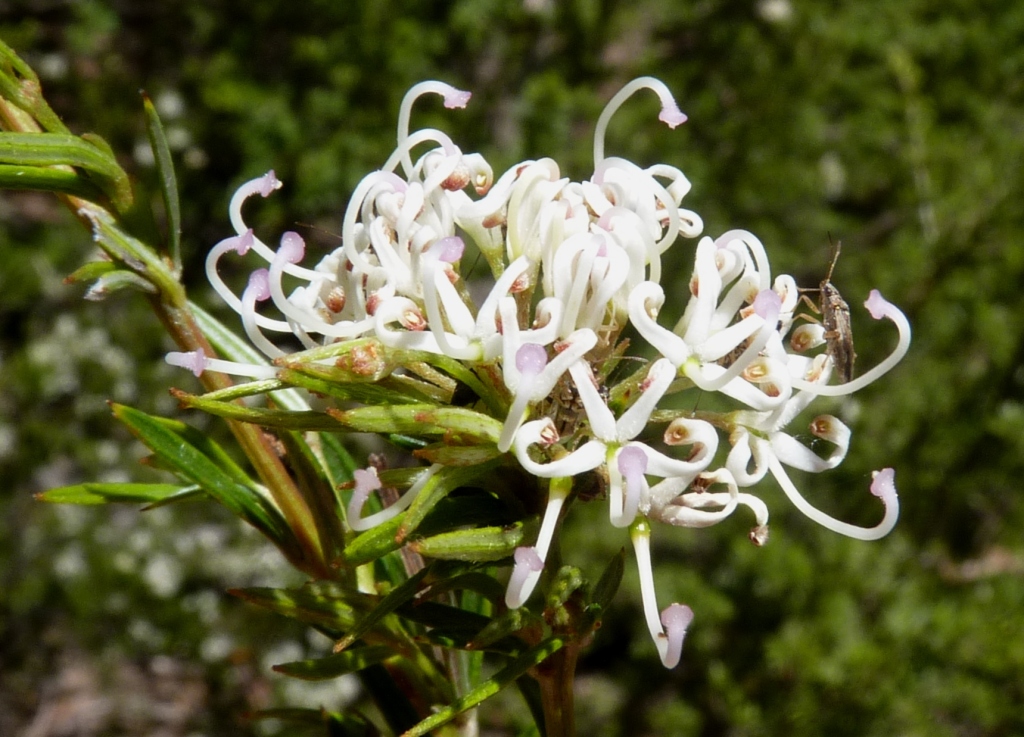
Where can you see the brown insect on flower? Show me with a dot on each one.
(835, 318)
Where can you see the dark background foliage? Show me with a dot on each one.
(897, 128)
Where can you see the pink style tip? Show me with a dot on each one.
(672, 116)
(767, 304)
(457, 98)
(529, 559)
(195, 361)
(449, 249)
(883, 484)
(366, 480)
(676, 617)
(531, 359)
(269, 183)
(632, 462)
(259, 282)
(877, 305)
(293, 248)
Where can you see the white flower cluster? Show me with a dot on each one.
(573, 263)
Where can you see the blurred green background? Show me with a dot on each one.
(898, 128)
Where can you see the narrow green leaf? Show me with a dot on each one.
(340, 463)
(90, 272)
(133, 253)
(241, 391)
(318, 491)
(190, 463)
(115, 281)
(458, 455)
(475, 581)
(505, 677)
(168, 180)
(284, 419)
(421, 419)
(338, 664)
(46, 179)
(103, 493)
(436, 615)
(60, 149)
(20, 85)
(208, 447)
(470, 510)
(322, 604)
(479, 544)
(504, 625)
(406, 442)
(374, 543)
(186, 494)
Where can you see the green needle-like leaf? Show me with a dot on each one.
(168, 180)
(421, 419)
(116, 281)
(279, 418)
(47, 179)
(59, 149)
(338, 664)
(374, 543)
(325, 605)
(479, 544)
(458, 455)
(189, 462)
(318, 491)
(102, 493)
(90, 272)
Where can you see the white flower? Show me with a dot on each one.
(572, 264)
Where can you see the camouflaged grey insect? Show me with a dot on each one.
(835, 316)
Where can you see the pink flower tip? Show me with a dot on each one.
(767, 304)
(531, 359)
(268, 183)
(195, 361)
(366, 480)
(883, 484)
(259, 283)
(293, 248)
(448, 249)
(877, 305)
(456, 98)
(671, 115)
(676, 617)
(528, 558)
(632, 462)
